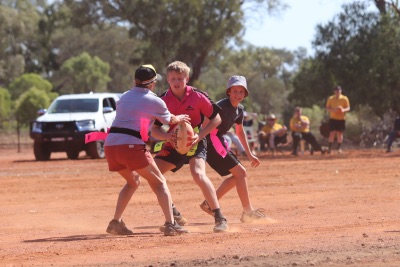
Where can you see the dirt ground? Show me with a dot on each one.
(331, 210)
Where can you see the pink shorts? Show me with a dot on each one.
(132, 157)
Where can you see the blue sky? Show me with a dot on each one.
(295, 26)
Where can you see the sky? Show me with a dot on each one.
(294, 27)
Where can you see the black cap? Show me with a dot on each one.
(146, 74)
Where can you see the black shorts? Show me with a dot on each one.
(218, 163)
(170, 155)
(337, 125)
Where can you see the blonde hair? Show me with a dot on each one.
(179, 66)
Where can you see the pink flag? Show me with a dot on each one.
(95, 136)
(217, 143)
(144, 129)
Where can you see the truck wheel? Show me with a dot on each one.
(96, 150)
(41, 151)
(72, 153)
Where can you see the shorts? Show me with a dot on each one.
(131, 157)
(337, 125)
(170, 155)
(218, 163)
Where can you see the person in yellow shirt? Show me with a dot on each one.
(300, 126)
(272, 134)
(337, 105)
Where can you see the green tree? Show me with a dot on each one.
(5, 105)
(84, 74)
(18, 20)
(186, 30)
(266, 71)
(26, 81)
(359, 50)
(29, 103)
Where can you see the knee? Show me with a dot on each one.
(241, 174)
(200, 178)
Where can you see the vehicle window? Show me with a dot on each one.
(75, 106)
(109, 102)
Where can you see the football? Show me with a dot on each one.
(184, 133)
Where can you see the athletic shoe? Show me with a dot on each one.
(340, 151)
(204, 206)
(180, 219)
(118, 228)
(174, 229)
(254, 216)
(221, 225)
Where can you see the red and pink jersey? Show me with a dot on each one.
(195, 103)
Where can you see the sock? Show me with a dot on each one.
(175, 212)
(330, 146)
(218, 214)
(339, 145)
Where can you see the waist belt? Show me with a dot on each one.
(125, 131)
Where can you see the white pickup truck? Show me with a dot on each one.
(63, 126)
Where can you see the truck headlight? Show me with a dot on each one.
(37, 127)
(87, 125)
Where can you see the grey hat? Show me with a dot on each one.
(237, 81)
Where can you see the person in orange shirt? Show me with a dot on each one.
(300, 126)
(337, 105)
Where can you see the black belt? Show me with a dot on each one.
(125, 131)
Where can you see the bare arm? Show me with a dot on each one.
(243, 139)
(158, 133)
(209, 125)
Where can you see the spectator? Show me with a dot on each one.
(272, 134)
(393, 134)
(232, 138)
(300, 126)
(337, 105)
(247, 120)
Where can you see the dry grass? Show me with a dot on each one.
(9, 139)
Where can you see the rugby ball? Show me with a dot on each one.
(183, 137)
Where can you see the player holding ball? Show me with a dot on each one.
(183, 99)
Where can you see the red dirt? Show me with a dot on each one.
(330, 210)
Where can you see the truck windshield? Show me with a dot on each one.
(74, 106)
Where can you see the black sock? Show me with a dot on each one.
(218, 214)
(175, 212)
(330, 146)
(339, 145)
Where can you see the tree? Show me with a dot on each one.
(29, 103)
(26, 81)
(359, 50)
(17, 32)
(84, 74)
(186, 30)
(266, 71)
(5, 105)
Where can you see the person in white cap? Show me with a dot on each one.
(222, 160)
(126, 151)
